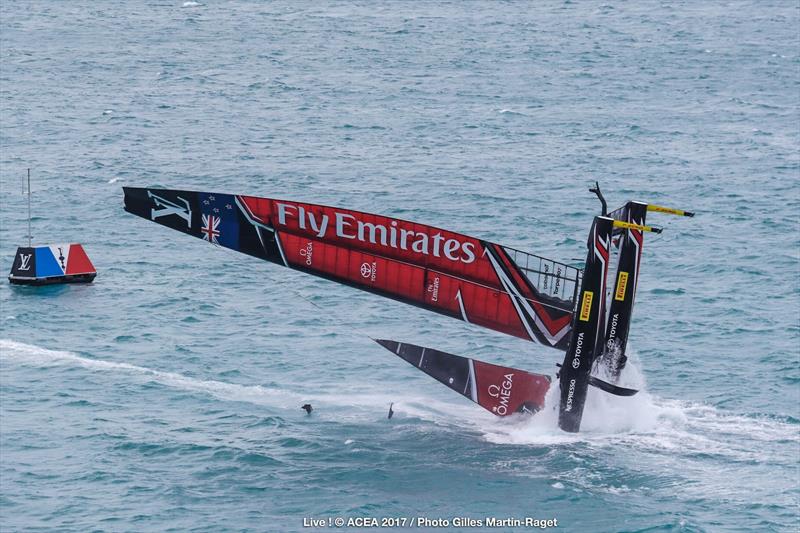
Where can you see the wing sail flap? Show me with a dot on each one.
(500, 390)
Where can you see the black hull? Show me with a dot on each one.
(586, 342)
(622, 298)
(53, 280)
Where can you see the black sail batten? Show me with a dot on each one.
(453, 371)
(587, 333)
(631, 242)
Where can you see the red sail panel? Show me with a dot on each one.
(437, 291)
(419, 244)
(78, 262)
(356, 267)
(503, 390)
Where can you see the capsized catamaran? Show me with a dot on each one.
(477, 281)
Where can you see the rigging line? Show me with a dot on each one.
(661, 236)
(348, 328)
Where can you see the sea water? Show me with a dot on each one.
(167, 394)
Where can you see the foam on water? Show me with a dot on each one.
(43, 357)
(415, 405)
(663, 437)
(643, 421)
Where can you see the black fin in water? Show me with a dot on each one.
(609, 388)
(390, 411)
(307, 407)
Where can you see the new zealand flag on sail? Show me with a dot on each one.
(219, 220)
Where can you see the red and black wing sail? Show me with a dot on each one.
(498, 389)
(453, 274)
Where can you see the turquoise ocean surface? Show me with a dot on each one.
(166, 395)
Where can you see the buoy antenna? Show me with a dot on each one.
(29, 208)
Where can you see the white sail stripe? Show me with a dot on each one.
(260, 238)
(520, 314)
(597, 249)
(461, 306)
(602, 286)
(558, 336)
(421, 357)
(514, 294)
(259, 226)
(472, 385)
(251, 217)
(554, 339)
(601, 304)
(280, 249)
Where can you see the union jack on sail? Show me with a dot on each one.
(210, 228)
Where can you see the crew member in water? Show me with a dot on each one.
(307, 407)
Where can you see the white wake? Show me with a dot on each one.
(642, 420)
(35, 355)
